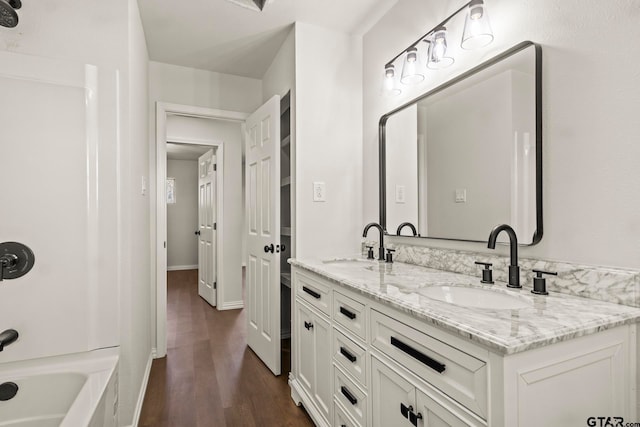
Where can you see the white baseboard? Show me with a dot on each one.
(231, 305)
(143, 390)
(182, 267)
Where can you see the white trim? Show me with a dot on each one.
(143, 391)
(231, 305)
(160, 292)
(182, 267)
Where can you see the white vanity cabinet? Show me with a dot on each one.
(366, 363)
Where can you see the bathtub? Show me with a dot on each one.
(75, 390)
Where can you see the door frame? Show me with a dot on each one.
(159, 297)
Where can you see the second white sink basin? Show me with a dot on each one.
(474, 297)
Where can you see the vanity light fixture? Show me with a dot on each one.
(477, 28)
(412, 69)
(390, 85)
(438, 50)
(477, 33)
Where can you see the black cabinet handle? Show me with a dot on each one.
(346, 353)
(351, 315)
(269, 248)
(433, 364)
(308, 325)
(404, 410)
(413, 417)
(283, 247)
(197, 233)
(350, 397)
(311, 292)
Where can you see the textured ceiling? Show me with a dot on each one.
(222, 36)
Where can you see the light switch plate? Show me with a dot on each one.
(461, 195)
(319, 192)
(400, 194)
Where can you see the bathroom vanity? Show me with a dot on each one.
(378, 344)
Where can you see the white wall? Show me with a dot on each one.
(229, 133)
(135, 304)
(182, 216)
(188, 86)
(591, 192)
(328, 141)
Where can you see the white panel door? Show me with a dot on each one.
(58, 165)
(207, 277)
(263, 233)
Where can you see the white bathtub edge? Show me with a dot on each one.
(143, 391)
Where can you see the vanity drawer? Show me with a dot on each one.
(455, 373)
(350, 397)
(350, 356)
(351, 314)
(340, 417)
(314, 291)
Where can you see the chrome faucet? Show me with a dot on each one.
(8, 337)
(407, 224)
(381, 230)
(514, 270)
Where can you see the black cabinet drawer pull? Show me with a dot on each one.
(350, 397)
(413, 417)
(351, 315)
(404, 410)
(346, 353)
(311, 292)
(308, 325)
(433, 364)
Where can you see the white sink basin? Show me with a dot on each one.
(474, 297)
(347, 262)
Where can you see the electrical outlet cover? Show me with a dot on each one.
(319, 192)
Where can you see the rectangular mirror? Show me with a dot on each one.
(467, 156)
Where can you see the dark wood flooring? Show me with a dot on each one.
(210, 378)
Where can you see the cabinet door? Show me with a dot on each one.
(440, 413)
(323, 389)
(313, 350)
(388, 392)
(305, 347)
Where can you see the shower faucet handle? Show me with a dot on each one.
(16, 260)
(7, 261)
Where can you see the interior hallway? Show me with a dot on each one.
(210, 377)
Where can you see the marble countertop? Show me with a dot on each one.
(544, 320)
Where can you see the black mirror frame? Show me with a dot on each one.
(537, 235)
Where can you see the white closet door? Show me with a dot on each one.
(263, 233)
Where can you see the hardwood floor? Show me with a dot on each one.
(210, 377)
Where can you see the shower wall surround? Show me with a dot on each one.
(614, 285)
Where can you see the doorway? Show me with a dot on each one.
(192, 212)
(172, 122)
